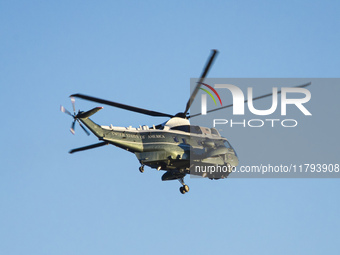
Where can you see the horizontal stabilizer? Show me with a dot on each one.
(84, 115)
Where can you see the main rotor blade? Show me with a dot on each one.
(204, 74)
(88, 147)
(245, 101)
(123, 106)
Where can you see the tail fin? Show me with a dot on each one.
(84, 118)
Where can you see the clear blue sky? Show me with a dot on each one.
(144, 54)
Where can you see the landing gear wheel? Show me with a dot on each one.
(182, 190)
(186, 188)
(141, 169)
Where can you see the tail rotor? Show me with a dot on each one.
(74, 116)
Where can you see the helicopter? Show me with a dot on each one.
(174, 146)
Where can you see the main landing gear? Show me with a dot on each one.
(185, 188)
(141, 169)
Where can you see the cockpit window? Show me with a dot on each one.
(195, 130)
(214, 131)
(227, 144)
